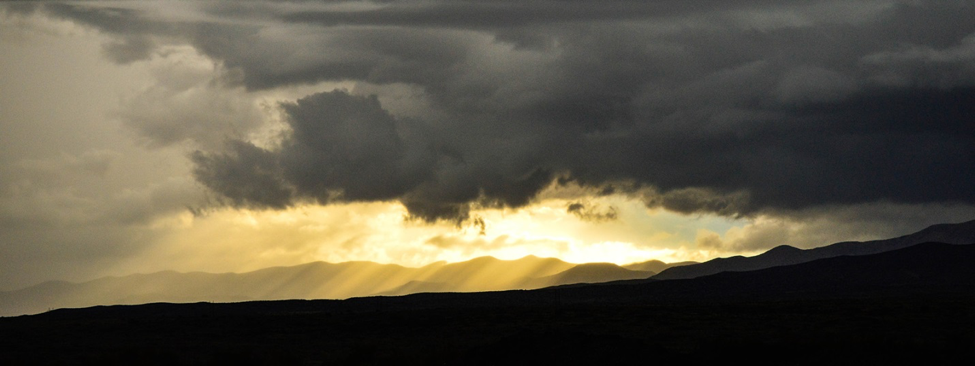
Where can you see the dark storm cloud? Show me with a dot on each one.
(348, 143)
(594, 213)
(504, 13)
(246, 174)
(730, 107)
(348, 148)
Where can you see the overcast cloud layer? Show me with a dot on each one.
(731, 107)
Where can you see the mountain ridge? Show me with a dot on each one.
(312, 280)
(325, 280)
(959, 233)
(908, 306)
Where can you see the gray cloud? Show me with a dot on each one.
(191, 100)
(246, 174)
(345, 148)
(732, 107)
(698, 200)
(594, 213)
(129, 49)
(92, 162)
(341, 142)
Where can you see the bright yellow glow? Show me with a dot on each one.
(230, 240)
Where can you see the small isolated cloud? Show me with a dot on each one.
(699, 201)
(709, 240)
(592, 212)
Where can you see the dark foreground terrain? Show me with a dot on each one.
(910, 306)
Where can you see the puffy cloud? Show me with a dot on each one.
(344, 148)
(191, 99)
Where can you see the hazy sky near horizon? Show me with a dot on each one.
(219, 136)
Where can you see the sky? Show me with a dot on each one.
(226, 137)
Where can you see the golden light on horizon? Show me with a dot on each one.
(238, 240)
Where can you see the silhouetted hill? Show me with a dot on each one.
(654, 266)
(414, 287)
(963, 233)
(311, 280)
(322, 280)
(923, 268)
(592, 273)
(492, 274)
(928, 268)
(903, 307)
(317, 280)
(457, 278)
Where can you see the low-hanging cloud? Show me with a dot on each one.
(733, 107)
(591, 212)
(347, 148)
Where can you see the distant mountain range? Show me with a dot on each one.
(890, 302)
(903, 307)
(930, 269)
(784, 255)
(321, 280)
(317, 280)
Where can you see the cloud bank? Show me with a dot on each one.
(733, 108)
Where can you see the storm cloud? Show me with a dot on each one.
(346, 148)
(727, 107)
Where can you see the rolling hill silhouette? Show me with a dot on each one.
(321, 280)
(962, 233)
(592, 273)
(927, 268)
(654, 266)
(317, 280)
(901, 307)
(924, 268)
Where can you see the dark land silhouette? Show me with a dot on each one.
(318, 280)
(906, 306)
(962, 233)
